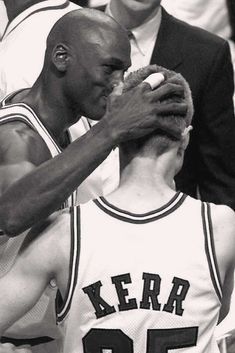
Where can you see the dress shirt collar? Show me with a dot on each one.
(41, 6)
(145, 33)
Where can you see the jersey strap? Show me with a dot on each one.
(63, 306)
(22, 112)
(210, 248)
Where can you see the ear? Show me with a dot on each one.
(185, 137)
(61, 57)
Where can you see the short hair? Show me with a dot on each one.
(160, 140)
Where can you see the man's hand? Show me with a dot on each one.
(136, 113)
(10, 348)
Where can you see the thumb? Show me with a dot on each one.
(117, 90)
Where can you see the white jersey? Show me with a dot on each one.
(40, 321)
(27, 34)
(146, 283)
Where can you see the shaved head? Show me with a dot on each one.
(87, 54)
(85, 25)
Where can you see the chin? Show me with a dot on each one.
(97, 115)
(94, 111)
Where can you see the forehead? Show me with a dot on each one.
(109, 46)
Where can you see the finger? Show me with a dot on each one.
(163, 125)
(172, 108)
(167, 90)
(154, 80)
(177, 78)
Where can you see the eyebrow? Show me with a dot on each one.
(117, 62)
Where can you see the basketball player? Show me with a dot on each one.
(146, 269)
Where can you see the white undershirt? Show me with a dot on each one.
(143, 44)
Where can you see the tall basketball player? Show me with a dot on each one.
(146, 269)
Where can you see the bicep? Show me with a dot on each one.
(223, 221)
(27, 279)
(228, 286)
(21, 150)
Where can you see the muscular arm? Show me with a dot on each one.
(21, 150)
(40, 192)
(44, 255)
(223, 220)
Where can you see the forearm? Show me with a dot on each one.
(39, 193)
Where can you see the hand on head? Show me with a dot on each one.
(141, 110)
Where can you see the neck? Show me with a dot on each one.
(145, 184)
(130, 18)
(15, 7)
(56, 113)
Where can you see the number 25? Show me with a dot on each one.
(158, 341)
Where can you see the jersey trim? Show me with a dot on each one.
(210, 249)
(21, 111)
(126, 216)
(62, 309)
(46, 8)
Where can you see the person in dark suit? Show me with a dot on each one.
(231, 10)
(83, 3)
(205, 61)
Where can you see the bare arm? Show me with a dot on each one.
(223, 220)
(21, 150)
(43, 256)
(42, 191)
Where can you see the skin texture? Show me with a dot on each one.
(74, 82)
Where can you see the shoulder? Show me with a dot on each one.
(223, 221)
(16, 141)
(223, 217)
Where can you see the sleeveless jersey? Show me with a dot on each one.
(146, 283)
(40, 321)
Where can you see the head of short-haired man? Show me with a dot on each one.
(86, 56)
(162, 146)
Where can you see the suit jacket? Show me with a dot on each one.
(205, 61)
(231, 10)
